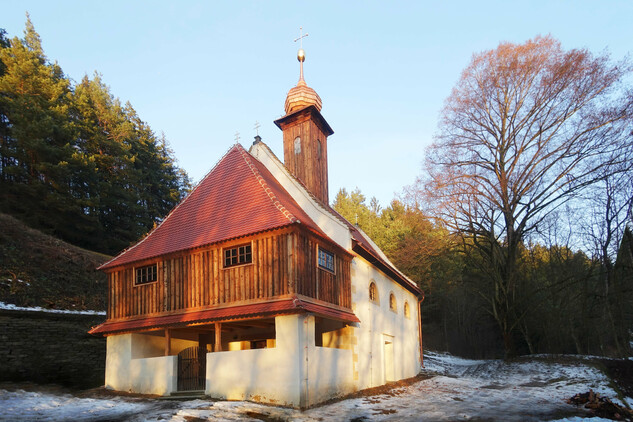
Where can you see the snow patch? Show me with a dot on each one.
(23, 405)
(446, 364)
(10, 281)
(12, 307)
(457, 389)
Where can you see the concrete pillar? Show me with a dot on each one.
(118, 357)
(295, 336)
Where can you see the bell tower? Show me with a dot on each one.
(305, 133)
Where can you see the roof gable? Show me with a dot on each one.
(333, 225)
(347, 235)
(237, 197)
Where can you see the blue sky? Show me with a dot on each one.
(200, 71)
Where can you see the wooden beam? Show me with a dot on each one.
(249, 324)
(167, 342)
(218, 337)
(258, 336)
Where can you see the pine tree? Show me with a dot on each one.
(35, 150)
(4, 118)
(73, 160)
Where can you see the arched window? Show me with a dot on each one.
(297, 145)
(407, 312)
(319, 149)
(373, 292)
(392, 302)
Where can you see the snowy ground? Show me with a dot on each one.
(457, 389)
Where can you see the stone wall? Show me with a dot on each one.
(45, 347)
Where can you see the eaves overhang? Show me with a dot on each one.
(291, 304)
(386, 268)
(310, 111)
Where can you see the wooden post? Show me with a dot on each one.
(218, 337)
(202, 341)
(167, 342)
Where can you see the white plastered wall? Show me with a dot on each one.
(126, 370)
(295, 373)
(379, 324)
(150, 346)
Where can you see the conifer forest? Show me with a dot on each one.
(518, 228)
(74, 161)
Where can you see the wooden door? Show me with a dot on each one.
(389, 359)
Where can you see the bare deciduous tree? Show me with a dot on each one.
(527, 127)
(611, 209)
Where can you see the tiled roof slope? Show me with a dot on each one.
(237, 197)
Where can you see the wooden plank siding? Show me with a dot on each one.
(283, 262)
(307, 164)
(321, 284)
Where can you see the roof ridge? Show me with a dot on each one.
(172, 210)
(247, 159)
(340, 217)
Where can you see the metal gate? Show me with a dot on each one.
(192, 369)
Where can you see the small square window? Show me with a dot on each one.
(238, 255)
(326, 260)
(147, 274)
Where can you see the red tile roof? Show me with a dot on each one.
(288, 305)
(239, 196)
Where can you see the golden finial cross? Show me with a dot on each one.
(301, 37)
(301, 54)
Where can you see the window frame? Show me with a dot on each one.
(327, 253)
(392, 295)
(376, 299)
(296, 145)
(147, 281)
(238, 255)
(406, 309)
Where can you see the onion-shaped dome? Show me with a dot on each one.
(302, 95)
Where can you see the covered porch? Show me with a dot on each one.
(312, 361)
(295, 359)
(167, 360)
